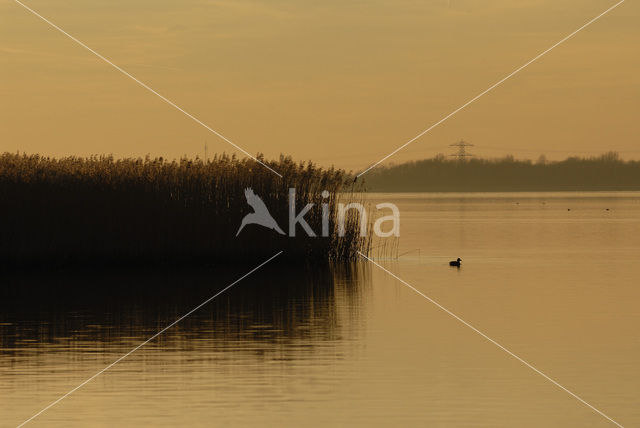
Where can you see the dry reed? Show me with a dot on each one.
(101, 210)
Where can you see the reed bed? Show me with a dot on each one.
(101, 210)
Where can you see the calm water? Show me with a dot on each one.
(300, 347)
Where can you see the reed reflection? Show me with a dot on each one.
(281, 305)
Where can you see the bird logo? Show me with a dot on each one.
(260, 214)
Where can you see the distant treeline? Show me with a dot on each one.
(104, 211)
(440, 174)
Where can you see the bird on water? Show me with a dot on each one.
(455, 262)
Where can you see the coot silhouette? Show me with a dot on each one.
(455, 262)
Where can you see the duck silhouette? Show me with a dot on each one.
(455, 262)
(260, 215)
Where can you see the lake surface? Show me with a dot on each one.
(553, 277)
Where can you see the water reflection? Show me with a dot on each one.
(277, 305)
(309, 347)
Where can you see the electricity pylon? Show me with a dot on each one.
(462, 150)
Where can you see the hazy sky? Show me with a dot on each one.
(339, 82)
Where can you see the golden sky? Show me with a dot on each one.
(339, 82)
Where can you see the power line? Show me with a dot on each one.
(501, 149)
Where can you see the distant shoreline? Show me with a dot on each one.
(439, 174)
(637, 189)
